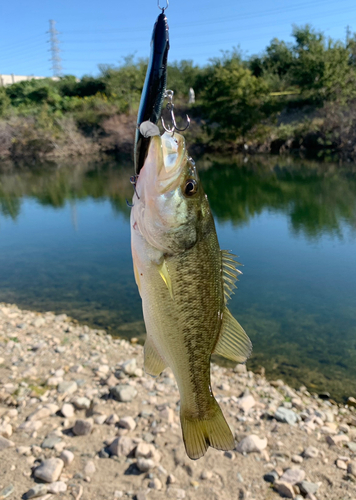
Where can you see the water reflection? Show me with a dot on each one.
(317, 199)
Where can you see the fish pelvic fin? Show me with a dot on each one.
(233, 341)
(199, 434)
(153, 363)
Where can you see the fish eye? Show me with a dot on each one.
(191, 187)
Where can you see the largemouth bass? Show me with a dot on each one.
(154, 88)
(185, 281)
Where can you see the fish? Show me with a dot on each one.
(154, 88)
(185, 282)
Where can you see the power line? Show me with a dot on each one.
(239, 17)
(56, 58)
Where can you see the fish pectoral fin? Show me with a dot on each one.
(233, 341)
(153, 363)
(163, 271)
(137, 278)
(199, 434)
(230, 273)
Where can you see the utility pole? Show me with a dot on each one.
(56, 58)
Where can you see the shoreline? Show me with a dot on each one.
(79, 416)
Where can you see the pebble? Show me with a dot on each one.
(67, 410)
(129, 367)
(351, 468)
(49, 470)
(31, 425)
(307, 487)
(246, 403)
(284, 489)
(127, 423)
(36, 491)
(297, 459)
(123, 393)
(155, 484)
(82, 403)
(271, 477)
(24, 450)
(100, 419)
(293, 476)
(83, 427)
(286, 415)
(122, 446)
(57, 487)
(51, 441)
(67, 457)
(351, 446)
(145, 450)
(89, 468)
(172, 479)
(112, 419)
(145, 464)
(206, 474)
(335, 440)
(7, 491)
(341, 464)
(5, 430)
(251, 443)
(311, 452)
(44, 412)
(66, 387)
(351, 401)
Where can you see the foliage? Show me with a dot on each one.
(236, 96)
(233, 97)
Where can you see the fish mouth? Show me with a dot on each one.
(169, 170)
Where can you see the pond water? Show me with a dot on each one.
(65, 247)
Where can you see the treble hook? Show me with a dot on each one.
(170, 108)
(163, 8)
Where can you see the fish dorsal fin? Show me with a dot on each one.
(233, 341)
(163, 271)
(230, 273)
(153, 363)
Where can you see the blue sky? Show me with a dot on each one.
(93, 33)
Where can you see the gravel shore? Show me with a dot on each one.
(79, 419)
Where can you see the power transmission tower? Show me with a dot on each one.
(56, 58)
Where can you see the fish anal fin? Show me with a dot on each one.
(153, 363)
(233, 341)
(163, 271)
(230, 273)
(199, 434)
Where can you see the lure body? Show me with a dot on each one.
(154, 88)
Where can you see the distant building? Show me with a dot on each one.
(10, 79)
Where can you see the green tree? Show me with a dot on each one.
(322, 67)
(233, 97)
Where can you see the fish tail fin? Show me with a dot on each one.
(199, 434)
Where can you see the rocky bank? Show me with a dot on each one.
(79, 419)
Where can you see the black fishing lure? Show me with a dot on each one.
(154, 88)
